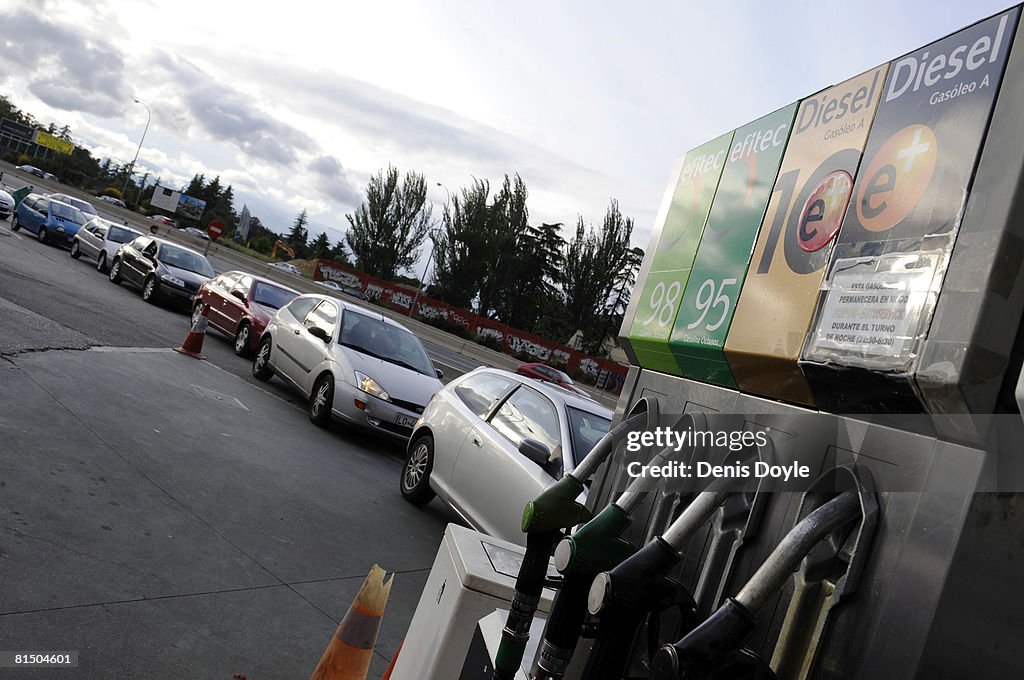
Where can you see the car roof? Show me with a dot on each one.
(554, 392)
(165, 242)
(262, 279)
(358, 309)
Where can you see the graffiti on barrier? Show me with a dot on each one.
(517, 344)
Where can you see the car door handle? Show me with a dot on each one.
(477, 441)
(296, 331)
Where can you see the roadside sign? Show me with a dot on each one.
(215, 230)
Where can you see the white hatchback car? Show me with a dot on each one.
(350, 363)
(492, 440)
(100, 239)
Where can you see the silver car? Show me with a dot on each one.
(492, 440)
(99, 239)
(351, 364)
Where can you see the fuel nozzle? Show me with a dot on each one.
(544, 521)
(714, 648)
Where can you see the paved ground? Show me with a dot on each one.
(156, 525)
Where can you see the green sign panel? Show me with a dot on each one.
(709, 298)
(672, 253)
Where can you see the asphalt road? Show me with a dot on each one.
(167, 517)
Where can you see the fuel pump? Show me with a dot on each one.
(825, 550)
(544, 520)
(597, 547)
(624, 596)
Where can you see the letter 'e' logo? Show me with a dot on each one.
(897, 178)
(822, 214)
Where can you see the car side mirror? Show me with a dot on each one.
(318, 332)
(440, 373)
(241, 296)
(535, 451)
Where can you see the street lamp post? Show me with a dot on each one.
(131, 166)
(430, 256)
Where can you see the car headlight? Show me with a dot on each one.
(173, 279)
(371, 386)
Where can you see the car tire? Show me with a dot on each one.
(150, 290)
(41, 235)
(76, 250)
(261, 369)
(115, 271)
(14, 222)
(242, 338)
(415, 480)
(321, 400)
(101, 262)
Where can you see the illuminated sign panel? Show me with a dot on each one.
(709, 301)
(908, 199)
(671, 254)
(804, 213)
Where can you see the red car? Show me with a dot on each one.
(545, 373)
(240, 306)
(163, 220)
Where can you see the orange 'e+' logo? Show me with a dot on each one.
(822, 214)
(897, 178)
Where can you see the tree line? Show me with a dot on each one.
(488, 256)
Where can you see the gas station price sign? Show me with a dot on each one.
(709, 300)
(908, 200)
(672, 251)
(805, 211)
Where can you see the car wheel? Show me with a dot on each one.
(75, 250)
(101, 262)
(242, 339)
(41, 235)
(115, 271)
(14, 222)
(415, 483)
(261, 369)
(322, 400)
(150, 289)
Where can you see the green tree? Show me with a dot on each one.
(387, 230)
(596, 265)
(299, 235)
(320, 246)
(462, 246)
(338, 253)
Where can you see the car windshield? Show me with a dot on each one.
(183, 259)
(66, 212)
(376, 338)
(586, 429)
(272, 296)
(120, 235)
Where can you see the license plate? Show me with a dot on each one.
(404, 420)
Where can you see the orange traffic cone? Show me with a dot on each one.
(349, 652)
(193, 345)
(394, 660)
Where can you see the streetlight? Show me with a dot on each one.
(433, 246)
(131, 167)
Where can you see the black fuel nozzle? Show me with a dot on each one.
(624, 597)
(712, 645)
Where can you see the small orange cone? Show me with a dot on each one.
(193, 345)
(349, 652)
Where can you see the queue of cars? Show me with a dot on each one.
(485, 444)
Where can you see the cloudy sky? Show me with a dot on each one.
(297, 104)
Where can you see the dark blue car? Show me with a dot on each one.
(50, 220)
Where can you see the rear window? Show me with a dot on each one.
(272, 296)
(120, 235)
